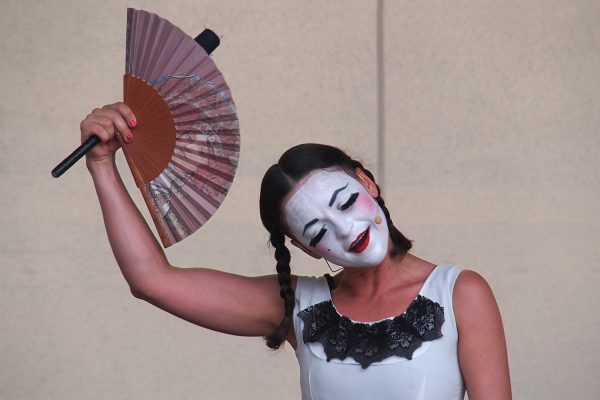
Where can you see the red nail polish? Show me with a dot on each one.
(129, 138)
(133, 123)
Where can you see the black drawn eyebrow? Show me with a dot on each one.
(335, 194)
(311, 223)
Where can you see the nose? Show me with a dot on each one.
(343, 228)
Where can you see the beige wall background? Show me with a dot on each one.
(491, 161)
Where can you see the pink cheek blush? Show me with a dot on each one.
(321, 249)
(366, 204)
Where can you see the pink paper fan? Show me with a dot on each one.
(186, 147)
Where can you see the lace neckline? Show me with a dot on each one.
(419, 293)
(370, 342)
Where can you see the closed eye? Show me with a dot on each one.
(350, 201)
(318, 237)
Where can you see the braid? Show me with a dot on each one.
(282, 255)
(401, 243)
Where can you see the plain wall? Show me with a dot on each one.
(491, 160)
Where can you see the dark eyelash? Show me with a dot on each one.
(350, 201)
(316, 239)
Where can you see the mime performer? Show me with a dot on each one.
(389, 325)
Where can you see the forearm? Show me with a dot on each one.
(140, 257)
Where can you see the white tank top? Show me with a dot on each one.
(433, 372)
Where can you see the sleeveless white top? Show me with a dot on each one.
(433, 372)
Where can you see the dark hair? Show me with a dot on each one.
(278, 181)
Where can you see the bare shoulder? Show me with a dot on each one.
(471, 293)
(470, 280)
(482, 349)
(475, 307)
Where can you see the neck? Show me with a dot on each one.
(365, 282)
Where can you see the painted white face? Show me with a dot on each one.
(333, 214)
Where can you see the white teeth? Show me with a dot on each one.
(360, 238)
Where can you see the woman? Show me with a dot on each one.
(390, 325)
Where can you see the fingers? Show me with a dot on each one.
(114, 120)
(108, 121)
(94, 128)
(125, 112)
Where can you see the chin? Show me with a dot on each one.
(371, 262)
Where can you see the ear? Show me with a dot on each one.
(304, 249)
(367, 182)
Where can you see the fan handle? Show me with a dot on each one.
(207, 39)
(75, 156)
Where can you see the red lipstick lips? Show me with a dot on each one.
(361, 242)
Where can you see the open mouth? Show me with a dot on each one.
(361, 242)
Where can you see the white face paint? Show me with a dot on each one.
(333, 214)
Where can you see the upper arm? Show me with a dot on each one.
(217, 300)
(481, 343)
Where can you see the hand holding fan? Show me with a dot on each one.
(187, 142)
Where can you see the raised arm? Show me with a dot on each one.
(210, 298)
(481, 343)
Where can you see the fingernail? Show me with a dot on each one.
(133, 123)
(129, 138)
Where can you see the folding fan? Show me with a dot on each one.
(186, 147)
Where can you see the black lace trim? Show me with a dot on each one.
(369, 343)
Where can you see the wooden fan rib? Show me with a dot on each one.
(155, 134)
(147, 152)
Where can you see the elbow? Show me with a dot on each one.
(137, 293)
(148, 288)
(147, 285)
(146, 291)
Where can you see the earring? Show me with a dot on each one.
(378, 220)
(339, 269)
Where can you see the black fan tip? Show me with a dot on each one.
(208, 39)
